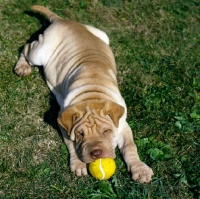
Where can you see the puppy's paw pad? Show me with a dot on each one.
(23, 69)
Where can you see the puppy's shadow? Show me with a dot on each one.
(44, 24)
(43, 21)
(50, 116)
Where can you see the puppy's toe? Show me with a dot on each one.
(81, 172)
(79, 168)
(141, 172)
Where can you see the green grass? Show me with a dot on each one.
(156, 45)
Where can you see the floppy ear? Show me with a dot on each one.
(67, 118)
(115, 111)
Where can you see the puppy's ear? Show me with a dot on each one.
(67, 118)
(115, 111)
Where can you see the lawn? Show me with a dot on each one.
(157, 49)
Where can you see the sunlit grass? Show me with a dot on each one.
(156, 45)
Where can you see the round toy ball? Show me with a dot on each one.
(102, 169)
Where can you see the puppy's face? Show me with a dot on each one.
(93, 128)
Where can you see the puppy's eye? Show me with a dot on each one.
(107, 131)
(81, 133)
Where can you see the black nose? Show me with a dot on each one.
(96, 154)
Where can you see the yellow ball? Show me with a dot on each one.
(102, 169)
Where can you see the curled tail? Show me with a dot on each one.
(48, 13)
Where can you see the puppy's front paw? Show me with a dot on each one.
(78, 167)
(22, 67)
(140, 171)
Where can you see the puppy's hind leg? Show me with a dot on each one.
(32, 55)
(22, 68)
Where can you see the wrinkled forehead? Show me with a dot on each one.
(93, 119)
(91, 114)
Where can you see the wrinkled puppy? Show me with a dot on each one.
(80, 70)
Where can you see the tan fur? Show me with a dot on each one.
(80, 70)
(108, 107)
(50, 15)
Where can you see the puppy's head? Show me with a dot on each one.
(92, 125)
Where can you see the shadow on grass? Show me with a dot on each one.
(43, 21)
(50, 116)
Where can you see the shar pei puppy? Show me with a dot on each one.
(80, 71)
